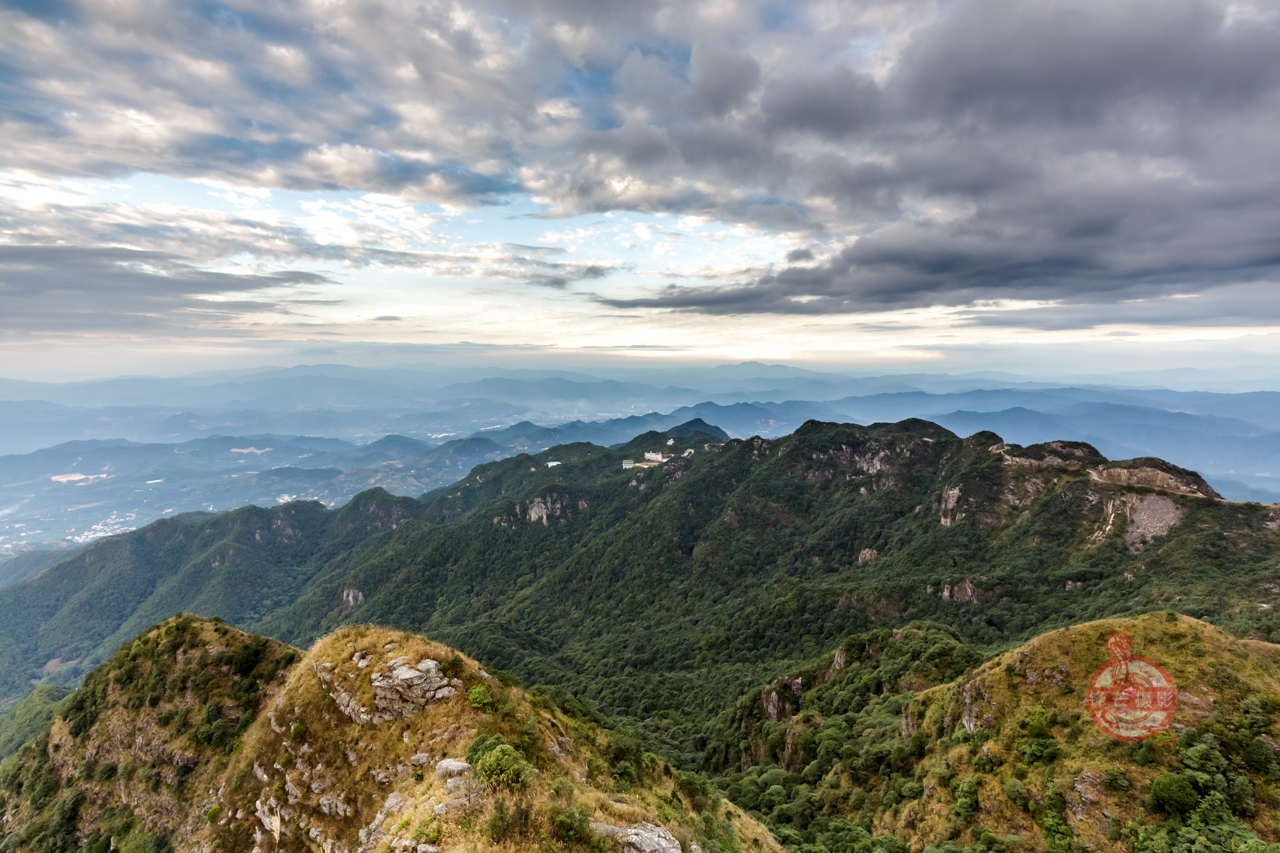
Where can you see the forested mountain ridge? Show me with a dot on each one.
(661, 593)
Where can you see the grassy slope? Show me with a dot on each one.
(138, 760)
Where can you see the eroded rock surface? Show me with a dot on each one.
(399, 692)
(1152, 516)
(403, 691)
(642, 838)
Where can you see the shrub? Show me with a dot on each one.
(499, 825)
(1258, 755)
(562, 789)
(482, 746)
(504, 768)
(1116, 780)
(479, 696)
(966, 800)
(1172, 793)
(570, 825)
(1017, 793)
(453, 667)
(159, 845)
(298, 732)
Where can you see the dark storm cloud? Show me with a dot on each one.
(832, 103)
(721, 80)
(947, 154)
(61, 289)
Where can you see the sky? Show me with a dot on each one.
(905, 185)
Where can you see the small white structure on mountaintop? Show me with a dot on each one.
(628, 463)
(552, 464)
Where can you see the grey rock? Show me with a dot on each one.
(451, 767)
(639, 838)
(457, 805)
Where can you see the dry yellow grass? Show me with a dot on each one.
(329, 777)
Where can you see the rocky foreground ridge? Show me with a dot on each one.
(197, 737)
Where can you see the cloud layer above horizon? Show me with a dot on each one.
(977, 164)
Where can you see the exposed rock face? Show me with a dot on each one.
(963, 591)
(976, 707)
(352, 598)
(773, 707)
(642, 838)
(837, 663)
(873, 461)
(1149, 516)
(1152, 516)
(950, 498)
(400, 692)
(405, 690)
(553, 505)
(867, 556)
(1152, 478)
(544, 509)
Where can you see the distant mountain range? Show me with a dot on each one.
(82, 490)
(99, 457)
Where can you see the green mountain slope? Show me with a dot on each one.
(665, 592)
(881, 740)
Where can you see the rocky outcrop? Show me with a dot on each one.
(450, 768)
(963, 592)
(1186, 483)
(554, 506)
(1152, 516)
(399, 692)
(950, 498)
(867, 556)
(1071, 455)
(642, 838)
(403, 691)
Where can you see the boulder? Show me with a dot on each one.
(450, 767)
(640, 838)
